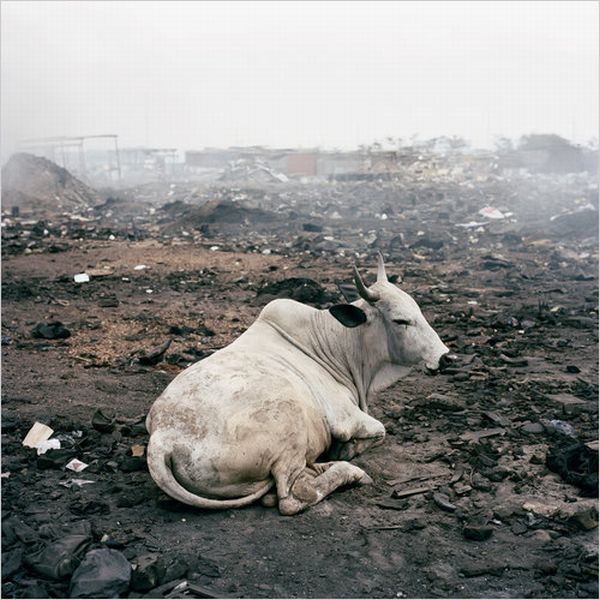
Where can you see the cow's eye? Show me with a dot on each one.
(401, 321)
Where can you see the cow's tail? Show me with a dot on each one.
(159, 465)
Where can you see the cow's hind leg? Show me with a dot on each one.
(317, 482)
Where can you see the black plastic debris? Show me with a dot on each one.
(59, 558)
(155, 355)
(109, 301)
(312, 227)
(349, 291)
(477, 531)
(148, 572)
(50, 331)
(129, 464)
(13, 530)
(206, 567)
(11, 562)
(493, 262)
(183, 330)
(103, 573)
(576, 464)
(55, 459)
(184, 589)
(298, 288)
(102, 422)
(425, 242)
(85, 507)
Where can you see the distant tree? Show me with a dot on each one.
(549, 152)
(542, 141)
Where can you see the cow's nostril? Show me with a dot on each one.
(446, 360)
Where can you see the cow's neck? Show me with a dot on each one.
(357, 358)
(361, 363)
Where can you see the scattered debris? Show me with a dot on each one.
(514, 298)
(51, 331)
(51, 444)
(148, 571)
(76, 482)
(475, 436)
(577, 465)
(492, 213)
(59, 557)
(37, 435)
(76, 465)
(443, 502)
(477, 531)
(410, 492)
(154, 356)
(138, 450)
(102, 422)
(103, 573)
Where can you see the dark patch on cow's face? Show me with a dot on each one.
(348, 315)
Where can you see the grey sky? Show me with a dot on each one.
(195, 74)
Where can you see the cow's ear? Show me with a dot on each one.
(348, 314)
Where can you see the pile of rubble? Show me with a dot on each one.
(33, 184)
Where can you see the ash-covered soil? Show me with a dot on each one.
(464, 502)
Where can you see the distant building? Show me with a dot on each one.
(288, 161)
(302, 163)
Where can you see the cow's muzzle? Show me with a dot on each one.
(444, 363)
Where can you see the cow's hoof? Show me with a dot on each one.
(291, 506)
(364, 480)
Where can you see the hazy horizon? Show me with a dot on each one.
(297, 74)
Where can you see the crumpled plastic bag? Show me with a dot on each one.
(59, 558)
(103, 573)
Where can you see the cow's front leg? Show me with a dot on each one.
(354, 436)
(317, 482)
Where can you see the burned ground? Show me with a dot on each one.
(466, 500)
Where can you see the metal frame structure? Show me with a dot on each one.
(62, 143)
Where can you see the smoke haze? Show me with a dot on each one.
(333, 74)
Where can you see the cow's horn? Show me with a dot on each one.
(364, 292)
(381, 276)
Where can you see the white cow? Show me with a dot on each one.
(294, 387)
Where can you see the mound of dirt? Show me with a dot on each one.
(224, 211)
(36, 184)
(301, 289)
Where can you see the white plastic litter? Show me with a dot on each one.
(52, 444)
(76, 482)
(81, 278)
(140, 267)
(37, 434)
(76, 465)
(470, 224)
(492, 213)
